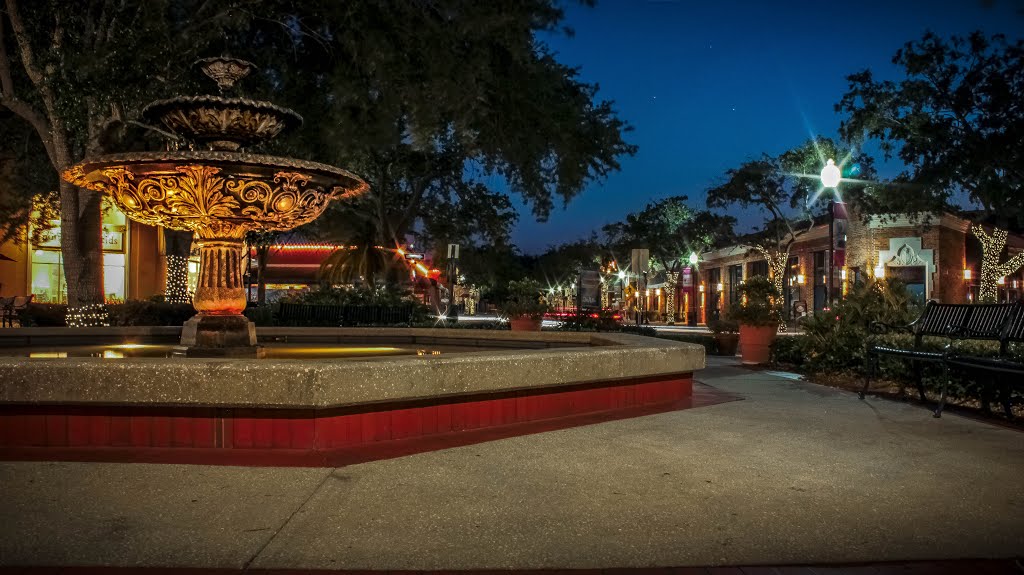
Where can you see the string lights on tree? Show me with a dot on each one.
(92, 315)
(777, 261)
(991, 270)
(671, 278)
(177, 280)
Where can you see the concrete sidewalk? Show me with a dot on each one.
(795, 473)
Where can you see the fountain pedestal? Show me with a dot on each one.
(207, 335)
(219, 329)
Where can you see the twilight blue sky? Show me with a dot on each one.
(709, 84)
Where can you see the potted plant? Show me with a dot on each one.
(523, 305)
(727, 336)
(758, 316)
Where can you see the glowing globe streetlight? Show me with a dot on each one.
(693, 258)
(830, 174)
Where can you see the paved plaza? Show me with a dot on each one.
(793, 473)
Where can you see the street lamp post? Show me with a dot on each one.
(691, 310)
(830, 176)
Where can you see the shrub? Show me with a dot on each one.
(149, 313)
(838, 339)
(708, 341)
(261, 315)
(790, 350)
(43, 315)
(836, 342)
(603, 320)
(721, 326)
(523, 300)
(350, 297)
(358, 296)
(761, 304)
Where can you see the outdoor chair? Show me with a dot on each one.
(6, 311)
(18, 305)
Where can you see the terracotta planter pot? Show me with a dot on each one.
(755, 343)
(727, 343)
(525, 324)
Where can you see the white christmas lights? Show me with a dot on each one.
(177, 280)
(991, 270)
(92, 315)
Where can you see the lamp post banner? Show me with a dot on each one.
(590, 290)
(839, 223)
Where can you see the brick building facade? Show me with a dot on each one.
(939, 261)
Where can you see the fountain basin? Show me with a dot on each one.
(224, 123)
(216, 193)
(322, 405)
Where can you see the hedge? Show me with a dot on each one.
(804, 353)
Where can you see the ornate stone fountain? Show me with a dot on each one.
(213, 187)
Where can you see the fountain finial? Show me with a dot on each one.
(225, 70)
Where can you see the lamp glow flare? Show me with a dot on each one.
(830, 174)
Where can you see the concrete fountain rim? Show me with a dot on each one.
(325, 383)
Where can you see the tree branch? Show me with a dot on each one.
(28, 59)
(23, 109)
(54, 135)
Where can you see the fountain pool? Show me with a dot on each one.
(387, 393)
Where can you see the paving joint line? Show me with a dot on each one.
(248, 564)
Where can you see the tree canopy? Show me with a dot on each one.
(787, 191)
(449, 108)
(671, 230)
(955, 120)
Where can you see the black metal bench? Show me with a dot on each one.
(972, 321)
(343, 315)
(1011, 331)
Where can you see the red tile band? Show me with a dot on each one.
(315, 437)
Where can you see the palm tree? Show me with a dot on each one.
(362, 263)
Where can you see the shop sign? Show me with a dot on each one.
(113, 241)
(907, 274)
(113, 238)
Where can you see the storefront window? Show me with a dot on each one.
(48, 285)
(193, 273)
(113, 278)
(714, 280)
(735, 279)
(48, 277)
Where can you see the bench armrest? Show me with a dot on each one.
(964, 332)
(882, 328)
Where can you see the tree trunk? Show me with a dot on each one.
(262, 255)
(81, 222)
(777, 263)
(992, 271)
(671, 279)
(177, 249)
